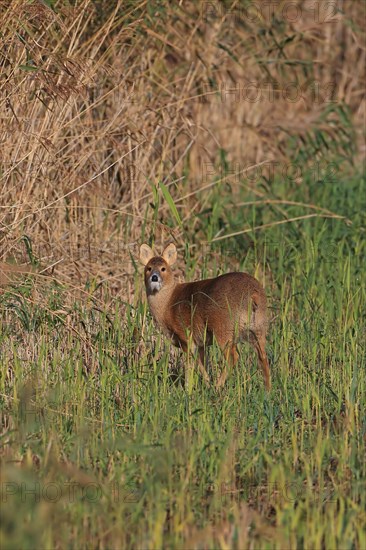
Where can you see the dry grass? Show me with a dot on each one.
(100, 102)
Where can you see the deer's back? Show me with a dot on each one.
(219, 306)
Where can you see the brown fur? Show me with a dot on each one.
(229, 308)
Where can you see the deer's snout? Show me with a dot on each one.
(155, 281)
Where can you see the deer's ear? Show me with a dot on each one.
(170, 254)
(146, 254)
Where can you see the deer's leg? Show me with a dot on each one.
(259, 343)
(231, 358)
(202, 356)
(188, 348)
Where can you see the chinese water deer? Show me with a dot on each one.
(229, 308)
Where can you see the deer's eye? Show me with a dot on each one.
(148, 269)
(163, 268)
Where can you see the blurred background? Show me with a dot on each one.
(130, 121)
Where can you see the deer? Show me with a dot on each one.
(228, 309)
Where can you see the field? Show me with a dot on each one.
(135, 122)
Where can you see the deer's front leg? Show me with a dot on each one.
(189, 348)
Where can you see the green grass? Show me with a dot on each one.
(104, 448)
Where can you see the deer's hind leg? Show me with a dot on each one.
(202, 356)
(259, 342)
(231, 358)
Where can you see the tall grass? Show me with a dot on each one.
(103, 447)
(126, 123)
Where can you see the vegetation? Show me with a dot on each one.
(155, 121)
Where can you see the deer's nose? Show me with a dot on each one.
(154, 279)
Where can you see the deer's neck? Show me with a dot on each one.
(159, 302)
